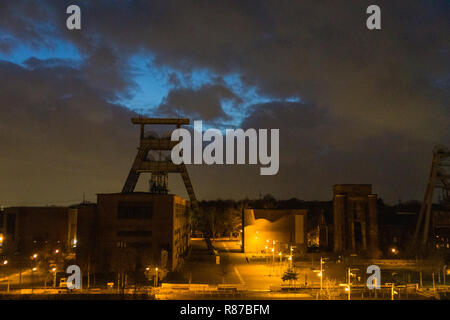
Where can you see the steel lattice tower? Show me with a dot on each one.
(439, 179)
(159, 169)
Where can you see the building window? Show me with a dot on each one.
(134, 233)
(137, 211)
(121, 244)
(180, 210)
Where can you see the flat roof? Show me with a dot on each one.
(153, 195)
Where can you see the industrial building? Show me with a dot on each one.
(124, 233)
(265, 229)
(26, 230)
(140, 230)
(355, 220)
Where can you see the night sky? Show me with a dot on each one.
(352, 105)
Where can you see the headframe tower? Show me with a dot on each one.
(159, 169)
(439, 178)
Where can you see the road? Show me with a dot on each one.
(237, 268)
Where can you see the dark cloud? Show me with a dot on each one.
(204, 102)
(318, 150)
(59, 137)
(28, 21)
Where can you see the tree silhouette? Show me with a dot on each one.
(290, 275)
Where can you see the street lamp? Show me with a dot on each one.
(322, 261)
(5, 262)
(273, 256)
(346, 289)
(32, 278)
(291, 249)
(348, 285)
(54, 277)
(156, 277)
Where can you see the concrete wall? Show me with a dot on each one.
(286, 227)
(355, 220)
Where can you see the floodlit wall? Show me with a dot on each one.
(267, 229)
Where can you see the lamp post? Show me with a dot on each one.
(4, 263)
(32, 278)
(347, 289)
(322, 261)
(273, 256)
(281, 262)
(273, 252)
(290, 254)
(54, 277)
(321, 274)
(266, 248)
(156, 277)
(33, 269)
(349, 276)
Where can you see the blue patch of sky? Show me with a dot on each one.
(51, 49)
(152, 84)
(152, 80)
